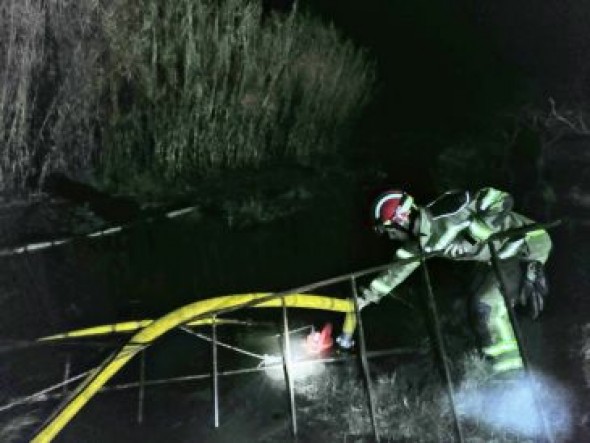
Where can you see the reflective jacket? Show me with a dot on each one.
(456, 224)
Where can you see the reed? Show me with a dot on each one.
(137, 94)
(209, 88)
(50, 73)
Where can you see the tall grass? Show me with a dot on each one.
(166, 91)
(203, 85)
(411, 405)
(49, 69)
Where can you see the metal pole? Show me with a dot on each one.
(141, 396)
(67, 368)
(222, 344)
(341, 278)
(259, 368)
(440, 346)
(46, 394)
(364, 360)
(518, 337)
(215, 373)
(287, 370)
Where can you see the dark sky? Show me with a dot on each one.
(452, 70)
(455, 61)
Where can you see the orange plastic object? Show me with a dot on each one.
(318, 342)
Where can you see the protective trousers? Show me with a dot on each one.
(490, 316)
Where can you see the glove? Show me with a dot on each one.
(534, 289)
(362, 302)
(461, 248)
(366, 298)
(345, 341)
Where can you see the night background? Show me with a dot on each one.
(277, 127)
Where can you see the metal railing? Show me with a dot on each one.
(363, 354)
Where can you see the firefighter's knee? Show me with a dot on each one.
(497, 339)
(490, 316)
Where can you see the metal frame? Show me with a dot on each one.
(286, 349)
(141, 393)
(520, 343)
(364, 360)
(439, 347)
(215, 373)
(67, 370)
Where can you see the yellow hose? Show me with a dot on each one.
(181, 316)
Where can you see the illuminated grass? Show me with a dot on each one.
(412, 405)
(18, 428)
(50, 78)
(209, 88)
(157, 95)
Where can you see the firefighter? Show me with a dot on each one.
(456, 225)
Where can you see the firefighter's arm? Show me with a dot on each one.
(492, 201)
(534, 246)
(538, 246)
(493, 213)
(380, 286)
(386, 282)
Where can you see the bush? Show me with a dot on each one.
(471, 164)
(203, 86)
(154, 94)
